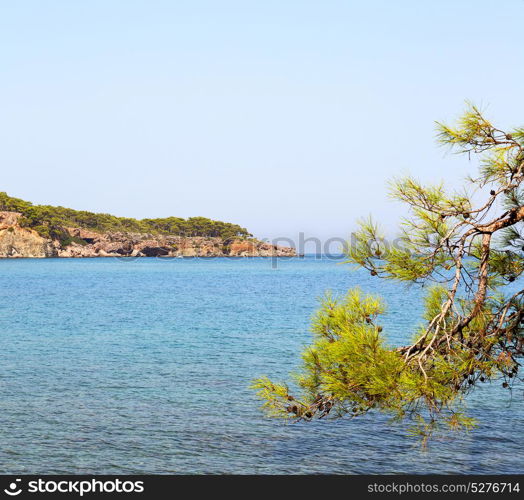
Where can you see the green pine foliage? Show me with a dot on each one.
(465, 247)
(51, 222)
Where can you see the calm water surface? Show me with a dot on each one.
(111, 366)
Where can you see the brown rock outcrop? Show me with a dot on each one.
(16, 241)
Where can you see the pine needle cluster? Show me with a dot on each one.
(465, 247)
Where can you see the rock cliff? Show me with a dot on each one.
(16, 241)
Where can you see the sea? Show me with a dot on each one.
(143, 366)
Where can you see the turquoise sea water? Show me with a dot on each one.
(143, 366)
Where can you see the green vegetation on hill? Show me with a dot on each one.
(51, 222)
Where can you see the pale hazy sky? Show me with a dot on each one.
(282, 116)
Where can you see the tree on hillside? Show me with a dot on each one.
(52, 222)
(465, 247)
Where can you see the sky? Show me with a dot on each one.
(285, 117)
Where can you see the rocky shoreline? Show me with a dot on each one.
(20, 242)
